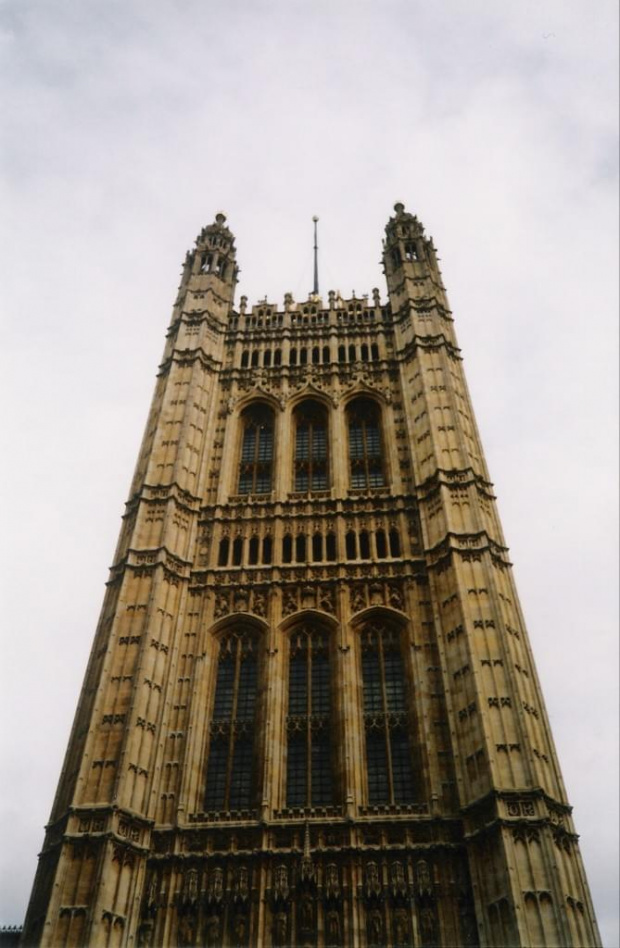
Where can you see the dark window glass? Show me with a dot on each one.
(287, 548)
(394, 681)
(241, 775)
(342, 354)
(216, 775)
(402, 773)
(364, 546)
(394, 543)
(222, 559)
(254, 547)
(330, 545)
(321, 770)
(296, 771)
(298, 684)
(246, 696)
(224, 690)
(230, 768)
(303, 356)
(388, 753)
(256, 462)
(351, 545)
(316, 355)
(351, 353)
(311, 449)
(293, 357)
(365, 453)
(267, 550)
(300, 548)
(317, 547)
(371, 671)
(364, 353)
(267, 358)
(277, 357)
(237, 551)
(320, 683)
(381, 544)
(309, 765)
(375, 352)
(245, 359)
(326, 354)
(376, 763)
(255, 358)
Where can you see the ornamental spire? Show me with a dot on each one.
(315, 289)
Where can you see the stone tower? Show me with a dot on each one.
(311, 715)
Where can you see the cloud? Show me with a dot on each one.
(129, 125)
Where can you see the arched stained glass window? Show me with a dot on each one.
(309, 764)
(230, 783)
(255, 467)
(388, 753)
(365, 449)
(311, 448)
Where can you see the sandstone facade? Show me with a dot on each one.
(311, 714)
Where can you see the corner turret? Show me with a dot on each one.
(212, 264)
(408, 255)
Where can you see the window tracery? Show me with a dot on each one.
(255, 467)
(309, 766)
(230, 772)
(388, 753)
(365, 444)
(311, 447)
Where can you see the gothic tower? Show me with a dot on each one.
(311, 715)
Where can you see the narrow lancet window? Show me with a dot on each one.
(255, 468)
(365, 444)
(230, 783)
(309, 755)
(311, 447)
(388, 754)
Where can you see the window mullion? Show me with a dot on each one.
(386, 729)
(233, 717)
(256, 457)
(309, 721)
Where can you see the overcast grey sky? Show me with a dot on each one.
(127, 125)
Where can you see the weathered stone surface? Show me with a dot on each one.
(311, 714)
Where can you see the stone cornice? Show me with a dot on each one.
(430, 343)
(161, 494)
(469, 546)
(146, 561)
(316, 575)
(462, 477)
(250, 508)
(465, 541)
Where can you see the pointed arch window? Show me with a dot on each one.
(365, 443)
(309, 755)
(388, 754)
(311, 447)
(255, 468)
(231, 777)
